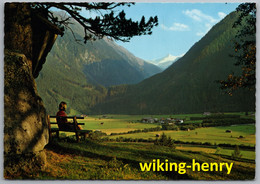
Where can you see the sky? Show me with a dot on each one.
(181, 25)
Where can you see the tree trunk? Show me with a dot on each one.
(27, 43)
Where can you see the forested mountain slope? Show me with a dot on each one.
(189, 85)
(78, 73)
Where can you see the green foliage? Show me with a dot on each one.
(114, 163)
(189, 127)
(96, 135)
(107, 22)
(217, 116)
(166, 126)
(218, 150)
(139, 131)
(236, 153)
(226, 122)
(244, 51)
(165, 141)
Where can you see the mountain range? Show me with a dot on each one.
(90, 77)
(188, 85)
(79, 73)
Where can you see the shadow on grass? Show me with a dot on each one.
(107, 153)
(134, 156)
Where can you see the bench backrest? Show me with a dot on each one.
(69, 126)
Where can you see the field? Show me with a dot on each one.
(212, 135)
(113, 157)
(115, 123)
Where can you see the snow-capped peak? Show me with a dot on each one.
(168, 58)
(166, 61)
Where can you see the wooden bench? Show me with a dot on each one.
(75, 123)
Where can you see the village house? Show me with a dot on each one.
(206, 113)
(162, 120)
(179, 121)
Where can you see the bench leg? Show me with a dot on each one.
(58, 134)
(77, 136)
(84, 136)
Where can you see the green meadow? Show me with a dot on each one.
(115, 123)
(212, 135)
(110, 157)
(240, 134)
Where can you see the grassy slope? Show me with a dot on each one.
(220, 151)
(90, 160)
(111, 160)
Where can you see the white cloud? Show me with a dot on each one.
(197, 15)
(194, 14)
(200, 33)
(221, 15)
(176, 27)
(206, 20)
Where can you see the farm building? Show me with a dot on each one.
(206, 113)
(147, 120)
(161, 121)
(179, 121)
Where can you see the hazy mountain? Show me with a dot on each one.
(166, 61)
(121, 67)
(77, 73)
(188, 85)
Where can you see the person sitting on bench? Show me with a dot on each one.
(62, 120)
